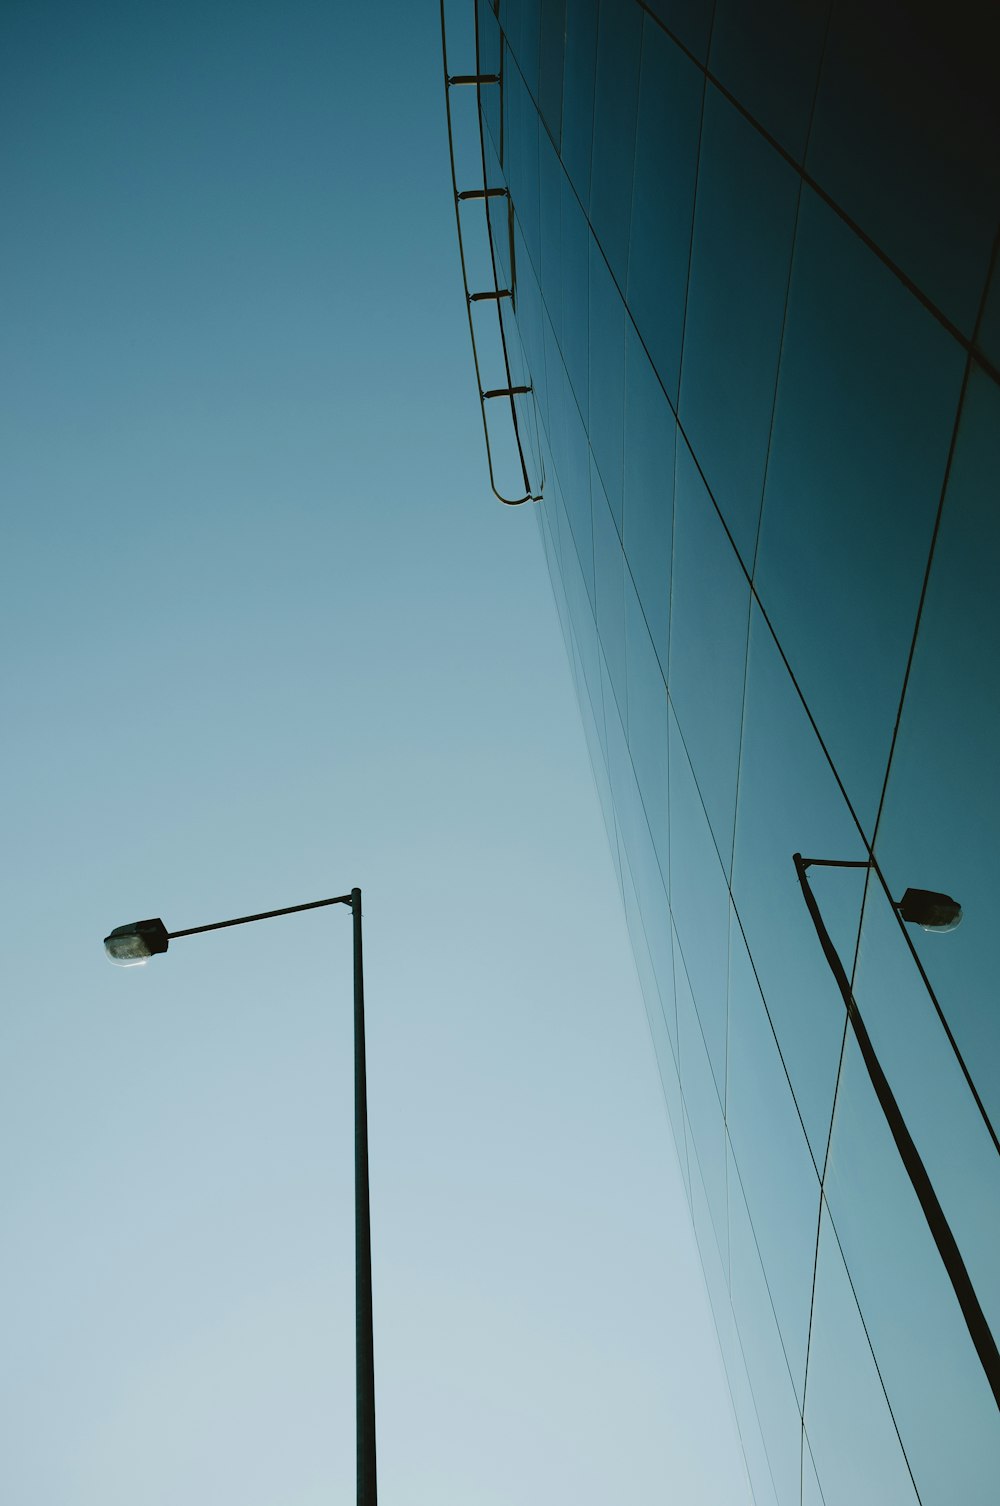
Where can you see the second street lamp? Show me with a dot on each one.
(136, 943)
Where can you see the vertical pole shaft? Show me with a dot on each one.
(364, 1343)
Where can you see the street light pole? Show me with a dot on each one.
(934, 911)
(364, 1340)
(135, 943)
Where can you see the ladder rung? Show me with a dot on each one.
(505, 392)
(474, 78)
(500, 293)
(483, 193)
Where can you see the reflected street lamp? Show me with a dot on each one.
(135, 944)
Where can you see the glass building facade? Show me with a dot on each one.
(748, 254)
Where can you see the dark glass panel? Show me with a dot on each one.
(498, 211)
(932, 1094)
(780, 1421)
(585, 628)
(789, 802)
(655, 916)
(867, 396)
(593, 726)
(618, 38)
(769, 1147)
(940, 826)
(550, 269)
(707, 1148)
(709, 618)
(607, 378)
(528, 40)
(647, 723)
(550, 65)
(575, 284)
(699, 901)
(942, 1404)
(490, 51)
(690, 21)
(631, 818)
(531, 321)
(758, 1469)
(662, 1018)
(848, 1423)
(905, 138)
(608, 566)
(704, 1109)
(650, 431)
(550, 396)
(988, 334)
(767, 55)
(812, 1495)
(571, 455)
(579, 74)
(744, 224)
(666, 165)
(521, 159)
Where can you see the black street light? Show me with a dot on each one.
(134, 944)
(919, 907)
(939, 912)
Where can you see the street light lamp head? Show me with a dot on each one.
(132, 945)
(932, 911)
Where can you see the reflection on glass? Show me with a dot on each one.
(660, 1012)
(740, 259)
(647, 722)
(715, 1268)
(704, 1107)
(552, 43)
(650, 437)
(710, 614)
(608, 567)
(666, 164)
(849, 1426)
(607, 378)
(574, 283)
(780, 1420)
(525, 43)
(812, 1494)
(789, 802)
(748, 1423)
(619, 33)
(699, 901)
(579, 73)
(904, 138)
(775, 1168)
(550, 175)
(942, 1404)
(854, 477)
(767, 55)
(690, 21)
(933, 1096)
(935, 829)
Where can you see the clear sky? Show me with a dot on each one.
(266, 636)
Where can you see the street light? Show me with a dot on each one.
(934, 912)
(135, 944)
(920, 907)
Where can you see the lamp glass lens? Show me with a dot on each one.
(127, 949)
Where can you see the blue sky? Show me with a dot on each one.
(268, 636)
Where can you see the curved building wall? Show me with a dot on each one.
(753, 271)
